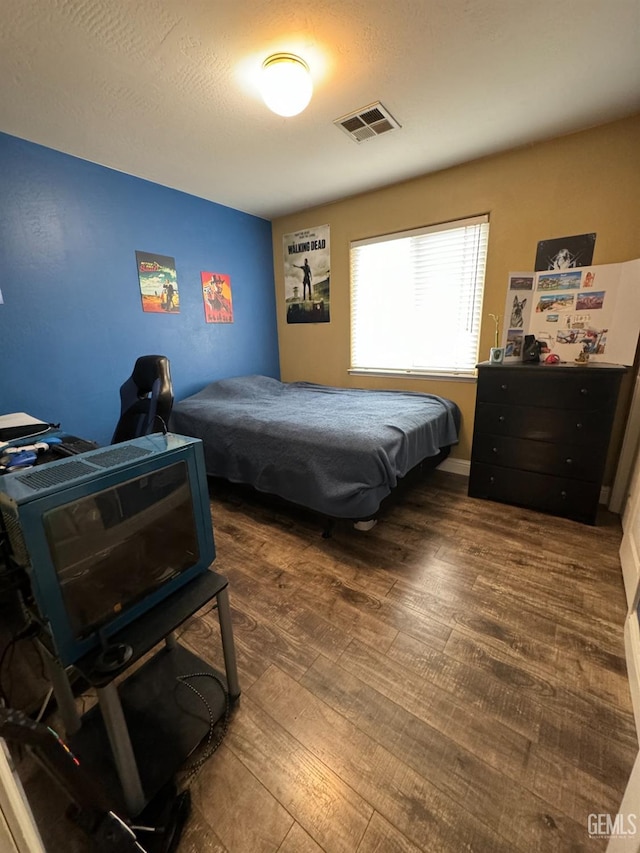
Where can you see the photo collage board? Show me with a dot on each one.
(590, 311)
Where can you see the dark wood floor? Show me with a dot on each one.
(452, 680)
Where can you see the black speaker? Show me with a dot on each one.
(531, 350)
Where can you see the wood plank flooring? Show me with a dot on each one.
(452, 680)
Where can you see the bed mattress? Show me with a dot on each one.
(339, 451)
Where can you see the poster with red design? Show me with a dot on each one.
(216, 294)
(158, 283)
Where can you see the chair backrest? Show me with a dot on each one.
(146, 399)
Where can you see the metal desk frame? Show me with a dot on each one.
(143, 635)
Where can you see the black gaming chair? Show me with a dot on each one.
(146, 399)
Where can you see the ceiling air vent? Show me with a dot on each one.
(367, 122)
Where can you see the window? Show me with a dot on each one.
(416, 298)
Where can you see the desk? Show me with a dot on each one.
(149, 723)
(65, 445)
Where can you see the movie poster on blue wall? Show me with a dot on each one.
(307, 275)
(216, 294)
(158, 283)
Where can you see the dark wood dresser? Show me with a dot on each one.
(541, 435)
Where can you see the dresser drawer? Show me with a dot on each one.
(540, 386)
(543, 457)
(557, 495)
(585, 428)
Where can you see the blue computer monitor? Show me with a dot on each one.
(106, 535)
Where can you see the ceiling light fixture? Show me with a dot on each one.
(286, 84)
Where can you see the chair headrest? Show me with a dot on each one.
(148, 369)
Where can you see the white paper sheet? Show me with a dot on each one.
(593, 310)
(18, 419)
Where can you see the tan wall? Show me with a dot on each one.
(586, 182)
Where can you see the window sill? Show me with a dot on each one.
(415, 374)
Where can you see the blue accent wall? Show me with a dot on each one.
(72, 325)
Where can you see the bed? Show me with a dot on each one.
(338, 451)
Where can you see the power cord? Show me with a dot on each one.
(28, 632)
(165, 429)
(210, 746)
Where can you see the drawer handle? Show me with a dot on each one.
(584, 390)
(501, 419)
(578, 426)
(494, 449)
(569, 461)
(504, 387)
(492, 479)
(563, 495)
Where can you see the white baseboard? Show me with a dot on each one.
(632, 654)
(456, 466)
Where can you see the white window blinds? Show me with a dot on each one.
(416, 298)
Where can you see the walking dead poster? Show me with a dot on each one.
(307, 275)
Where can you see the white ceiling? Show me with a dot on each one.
(166, 89)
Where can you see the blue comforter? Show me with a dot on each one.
(338, 451)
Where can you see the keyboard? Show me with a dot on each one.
(72, 445)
